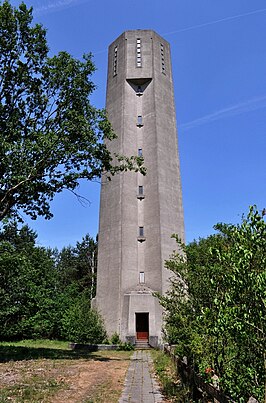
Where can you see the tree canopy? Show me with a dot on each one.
(28, 285)
(51, 136)
(216, 308)
(47, 293)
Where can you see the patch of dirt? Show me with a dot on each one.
(84, 380)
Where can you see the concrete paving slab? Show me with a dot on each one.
(140, 384)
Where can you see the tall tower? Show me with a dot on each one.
(138, 214)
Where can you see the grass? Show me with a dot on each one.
(104, 393)
(40, 349)
(42, 343)
(41, 370)
(31, 390)
(166, 372)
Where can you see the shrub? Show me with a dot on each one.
(81, 324)
(125, 347)
(115, 338)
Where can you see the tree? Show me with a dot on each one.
(41, 291)
(216, 309)
(51, 135)
(28, 286)
(82, 324)
(76, 273)
(77, 266)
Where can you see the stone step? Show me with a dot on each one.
(142, 344)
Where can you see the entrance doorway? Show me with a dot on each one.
(142, 325)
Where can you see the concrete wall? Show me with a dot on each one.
(121, 255)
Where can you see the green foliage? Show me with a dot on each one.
(51, 135)
(77, 267)
(216, 308)
(125, 346)
(27, 285)
(81, 324)
(166, 372)
(41, 290)
(115, 339)
(76, 270)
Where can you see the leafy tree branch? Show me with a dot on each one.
(215, 310)
(51, 136)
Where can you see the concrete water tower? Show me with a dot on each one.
(138, 214)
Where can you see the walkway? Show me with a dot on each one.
(140, 385)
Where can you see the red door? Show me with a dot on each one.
(142, 326)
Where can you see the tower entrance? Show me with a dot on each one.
(142, 326)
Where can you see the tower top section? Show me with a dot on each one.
(139, 32)
(139, 54)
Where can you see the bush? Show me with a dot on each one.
(125, 347)
(215, 309)
(81, 324)
(115, 338)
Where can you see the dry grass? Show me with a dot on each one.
(75, 378)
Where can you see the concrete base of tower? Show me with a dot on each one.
(141, 317)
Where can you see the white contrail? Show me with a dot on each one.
(233, 110)
(54, 5)
(261, 10)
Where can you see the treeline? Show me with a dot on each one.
(45, 293)
(216, 309)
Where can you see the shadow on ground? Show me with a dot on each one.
(14, 353)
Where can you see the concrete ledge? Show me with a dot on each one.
(93, 347)
(153, 341)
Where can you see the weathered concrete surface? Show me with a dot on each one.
(140, 385)
(123, 252)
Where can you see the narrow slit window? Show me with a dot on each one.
(138, 53)
(140, 122)
(141, 231)
(115, 62)
(162, 59)
(139, 91)
(142, 277)
(140, 154)
(141, 191)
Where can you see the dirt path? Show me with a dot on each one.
(97, 379)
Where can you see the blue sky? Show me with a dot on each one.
(219, 69)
